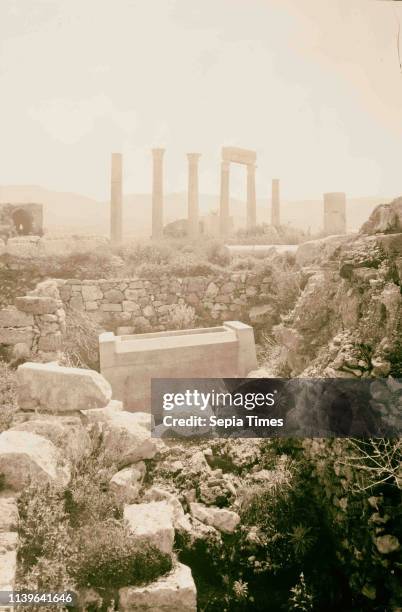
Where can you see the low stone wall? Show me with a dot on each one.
(145, 304)
(35, 325)
(47, 246)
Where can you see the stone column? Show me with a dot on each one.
(334, 213)
(275, 204)
(224, 219)
(157, 194)
(192, 194)
(116, 198)
(251, 199)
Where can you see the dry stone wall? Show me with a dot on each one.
(35, 325)
(146, 303)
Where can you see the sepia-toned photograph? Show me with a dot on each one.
(201, 305)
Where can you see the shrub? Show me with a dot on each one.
(87, 496)
(81, 342)
(108, 556)
(180, 316)
(8, 395)
(43, 526)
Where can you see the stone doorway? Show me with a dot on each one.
(22, 222)
(247, 158)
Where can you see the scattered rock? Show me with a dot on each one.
(153, 523)
(126, 484)
(26, 457)
(66, 432)
(175, 592)
(222, 519)
(126, 440)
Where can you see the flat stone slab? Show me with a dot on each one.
(53, 388)
(152, 523)
(174, 592)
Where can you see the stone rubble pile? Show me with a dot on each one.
(57, 405)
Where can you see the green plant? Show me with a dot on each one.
(180, 316)
(301, 598)
(81, 341)
(107, 555)
(8, 395)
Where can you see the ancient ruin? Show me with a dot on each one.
(21, 220)
(334, 213)
(192, 196)
(247, 158)
(116, 198)
(275, 204)
(157, 194)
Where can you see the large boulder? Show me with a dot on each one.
(127, 440)
(222, 519)
(152, 523)
(315, 251)
(53, 388)
(67, 433)
(385, 219)
(175, 592)
(26, 457)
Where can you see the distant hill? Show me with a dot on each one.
(74, 213)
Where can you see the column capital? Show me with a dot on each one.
(193, 157)
(251, 167)
(225, 165)
(158, 153)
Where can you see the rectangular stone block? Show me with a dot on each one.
(111, 307)
(10, 335)
(36, 304)
(11, 317)
(52, 388)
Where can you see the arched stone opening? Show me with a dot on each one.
(23, 222)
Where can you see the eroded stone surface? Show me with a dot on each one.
(26, 457)
(222, 519)
(175, 592)
(152, 523)
(52, 388)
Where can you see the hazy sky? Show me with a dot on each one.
(313, 85)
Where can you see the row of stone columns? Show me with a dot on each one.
(193, 196)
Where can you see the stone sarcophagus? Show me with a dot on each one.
(130, 362)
